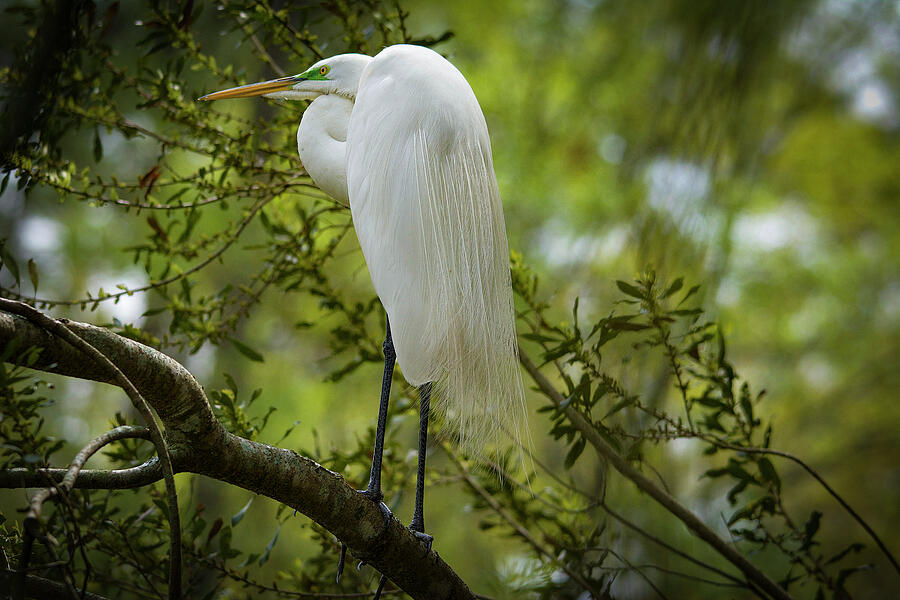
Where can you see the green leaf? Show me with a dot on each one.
(574, 452)
(98, 146)
(810, 528)
(854, 548)
(618, 406)
(5, 182)
(7, 260)
(676, 285)
(768, 473)
(265, 557)
(240, 514)
(630, 289)
(247, 351)
(624, 323)
(33, 274)
(690, 293)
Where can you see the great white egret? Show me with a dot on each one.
(401, 137)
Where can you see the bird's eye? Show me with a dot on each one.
(323, 70)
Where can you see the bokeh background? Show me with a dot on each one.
(751, 147)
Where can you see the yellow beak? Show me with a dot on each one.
(255, 89)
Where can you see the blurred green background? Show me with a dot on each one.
(753, 147)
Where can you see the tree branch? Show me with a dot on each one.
(92, 479)
(60, 329)
(32, 520)
(693, 523)
(198, 443)
(40, 588)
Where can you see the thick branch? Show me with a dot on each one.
(693, 523)
(199, 444)
(91, 479)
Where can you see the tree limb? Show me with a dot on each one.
(92, 479)
(198, 443)
(60, 329)
(32, 520)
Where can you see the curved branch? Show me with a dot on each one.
(690, 520)
(91, 479)
(61, 330)
(32, 521)
(198, 443)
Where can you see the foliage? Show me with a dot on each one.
(21, 405)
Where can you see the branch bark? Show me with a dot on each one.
(199, 444)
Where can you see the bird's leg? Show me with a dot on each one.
(418, 521)
(373, 490)
(381, 581)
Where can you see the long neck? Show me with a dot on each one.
(321, 141)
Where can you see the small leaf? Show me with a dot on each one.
(265, 557)
(676, 285)
(7, 260)
(33, 274)
(98, 146)
(856, 547)
(574, 452)
(768, 473)
(240, 514)
(810, 528)
(690, 293)
(216, 527)
(247, 351)
(630, 289)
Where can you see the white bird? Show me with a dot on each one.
(401, 137)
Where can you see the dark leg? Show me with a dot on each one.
(381, 581)
(373, 490)
(418, 521)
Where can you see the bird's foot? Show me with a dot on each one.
(424, 537)
(377, 497)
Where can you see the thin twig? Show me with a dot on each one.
(669, 547)
(39, 587)
(164, 282)
(633, 569)
(519, 528)
(750, 450)
(692, 522)
(68, 481)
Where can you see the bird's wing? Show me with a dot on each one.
(427, 211)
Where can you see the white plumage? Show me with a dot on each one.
(403, 139)
(427, 212)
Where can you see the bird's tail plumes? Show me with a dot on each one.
(477, 383)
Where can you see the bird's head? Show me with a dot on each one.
(336, 75)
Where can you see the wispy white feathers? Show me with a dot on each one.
(427, 212)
